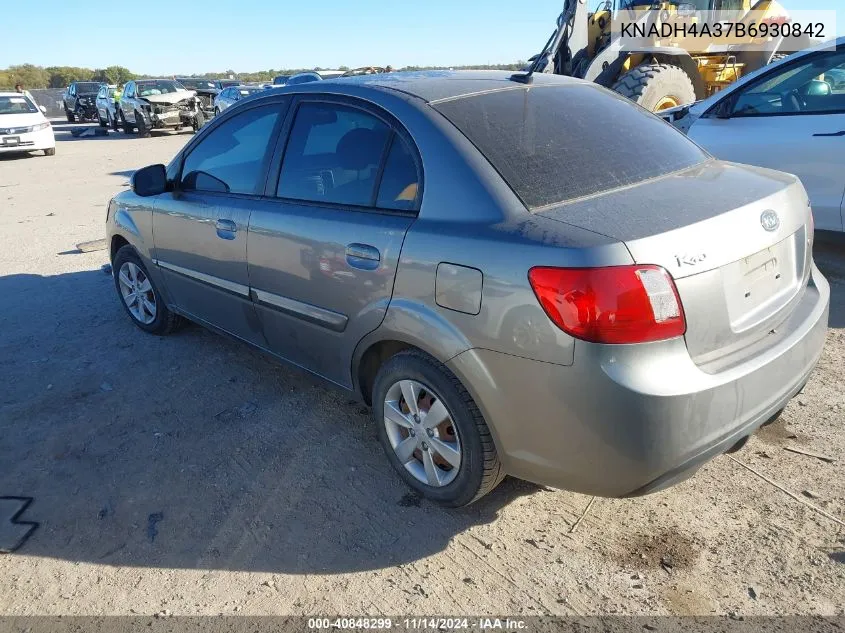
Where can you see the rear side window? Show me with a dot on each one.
(231, 158)
(400, 180)
(554, 144)
(333, 155)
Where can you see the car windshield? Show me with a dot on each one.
(158, 87)
(281, 80)
(87, 86)
(198, 84)
(15, 104)
(553, 144)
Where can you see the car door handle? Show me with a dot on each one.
(363, 256)
(226, 229)
(829, 134)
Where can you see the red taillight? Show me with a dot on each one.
(615, 304)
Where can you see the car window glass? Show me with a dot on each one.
(816, 86)
(230, 158)
(400, 180)
(556, 143)
(333, 155)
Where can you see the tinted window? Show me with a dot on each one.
(400, 180)
(553, 144)
(333, 155)
(231, 157)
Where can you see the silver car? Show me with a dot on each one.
(230, 96)
(538, 280)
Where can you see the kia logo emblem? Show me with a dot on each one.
(770, 220)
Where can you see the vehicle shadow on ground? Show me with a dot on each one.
(829, 253)
(193, 451)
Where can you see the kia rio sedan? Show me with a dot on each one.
(540, 280)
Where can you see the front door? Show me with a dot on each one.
(200, 229)
(792, 120)
(323, 250)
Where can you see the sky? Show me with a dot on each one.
(251, 35)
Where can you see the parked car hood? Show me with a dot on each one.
(170, 97)
(23, 119)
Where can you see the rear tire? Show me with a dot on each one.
(480, 470)
(164, 321)
(656, 87)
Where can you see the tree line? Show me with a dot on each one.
(32, 77)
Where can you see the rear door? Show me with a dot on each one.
(323, 250)
(793, 120)
(200, 228)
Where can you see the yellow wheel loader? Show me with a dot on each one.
(661, 74)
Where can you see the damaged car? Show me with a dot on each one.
(158, 104)
(206, 91)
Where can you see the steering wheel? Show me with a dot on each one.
(793, 101)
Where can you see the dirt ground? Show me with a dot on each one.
(191, 475)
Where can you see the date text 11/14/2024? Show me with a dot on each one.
(419, 624)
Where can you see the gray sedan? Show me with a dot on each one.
(231, 95)
(539, 280)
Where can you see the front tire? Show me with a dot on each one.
(50, 151)
(656, 87)
(141, 124)
(434, 434)
(127, 129)
(70, 116)
(139, 296)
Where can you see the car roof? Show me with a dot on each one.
(12, 93)
(437, 85)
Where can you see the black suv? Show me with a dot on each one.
(81, 100)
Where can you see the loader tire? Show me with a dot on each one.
(656, 87)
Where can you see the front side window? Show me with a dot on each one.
(333, 155)
(814, 86)
(231, 158)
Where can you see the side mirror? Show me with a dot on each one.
(816, 88)
(43, 109)
(149, 181)
(725, 109)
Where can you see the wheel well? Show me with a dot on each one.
(117, 242)
(372, 360)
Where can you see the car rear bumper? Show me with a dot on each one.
(31, 141)
(627, 420)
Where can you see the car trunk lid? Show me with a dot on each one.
(736, 239)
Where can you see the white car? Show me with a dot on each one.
(23, 126)
(106, 106)
(230, 96)
(788, 116)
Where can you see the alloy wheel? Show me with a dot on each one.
(422, 433)
(137, 292)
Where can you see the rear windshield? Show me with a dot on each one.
(552, 144)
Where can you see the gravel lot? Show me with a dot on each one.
(191, 474)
